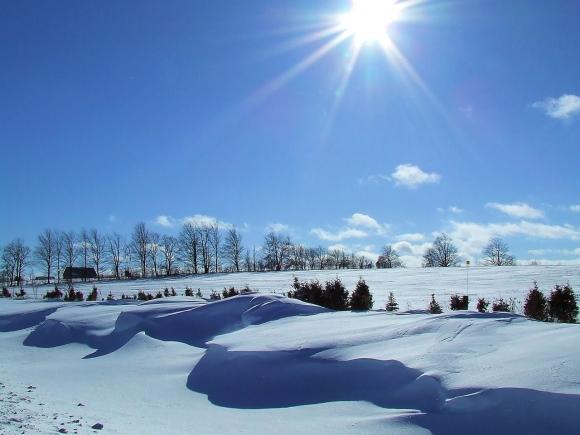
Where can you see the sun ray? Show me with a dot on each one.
(274, 85)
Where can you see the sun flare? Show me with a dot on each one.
(368, 20)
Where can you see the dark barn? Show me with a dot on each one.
(79, 273)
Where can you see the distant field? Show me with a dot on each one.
(412, 287)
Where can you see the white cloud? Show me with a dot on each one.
(517, 209)
(277, 227)
(563, 107)
(164, 221)
(575, 208)
(373, 256)
(366, 221)
(197, 219)
(455, 209)
(412, 176)
(471, 237)
(411, 237)
(338, 246)
(347, 233)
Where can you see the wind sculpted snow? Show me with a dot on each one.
(253, 363)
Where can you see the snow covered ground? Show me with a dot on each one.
(412, 287)
(262, 364)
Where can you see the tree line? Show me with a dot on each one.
(202, 249)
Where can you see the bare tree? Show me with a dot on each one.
(335, 256)
(496, 253)
(189, 245)
(205, 246)
(45, 251)
(233, 248)
(169, 250)
(215, 240)
(276, 250)
(248, 261)
(70, 250)
(140, 245)
(97, 245)
(84, 247)
(154, 241)
(443, 253)
(389, 259)
(58, 253)
(15, 257)
(116, 247)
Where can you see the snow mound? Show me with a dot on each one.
(107, 327)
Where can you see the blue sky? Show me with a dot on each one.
(119, 112)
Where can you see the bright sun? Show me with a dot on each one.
(368, 19)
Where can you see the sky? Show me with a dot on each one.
(463, 117)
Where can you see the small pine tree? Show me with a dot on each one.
(562, 304)
(198, 294)
(434, 307)
(166, 292)
(335, 295)
(159, 295)
(20, 294)
(459, 302)
(501, 305)
(214, 296)
(392, 304)
(482, 305)
(536, 305)
(6, 292)
(173, 293)
(188, 291)
(110, 297)
(228, 293)
(79, 297)
(361, 298)
(93, 295)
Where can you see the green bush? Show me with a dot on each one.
(392, 304)
(361, 298)
(562, 304)
(434, 307)
(536, 305)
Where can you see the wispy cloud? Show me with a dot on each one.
(412, 176)
(563, 107)
(277, 227)
(196, 219)
(517, 210)
(575, 208)
(165, 221)
(411, 237)
(344, 234)
(471, 237)
(374, 179)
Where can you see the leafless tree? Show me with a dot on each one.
(58, 253)
(335, 256)
(85, 245)
(233, 248)
(140, 245)
(115, 247)
(97, 244)
(15, 258)
(189, 245)
(70, 249)
(169, 246)
(389, 259)
(248, 261)
(205, 246)
(496, 253)
(154, 246)
(45, 251)
(443, 253)
(215, 240)
(276, 250)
